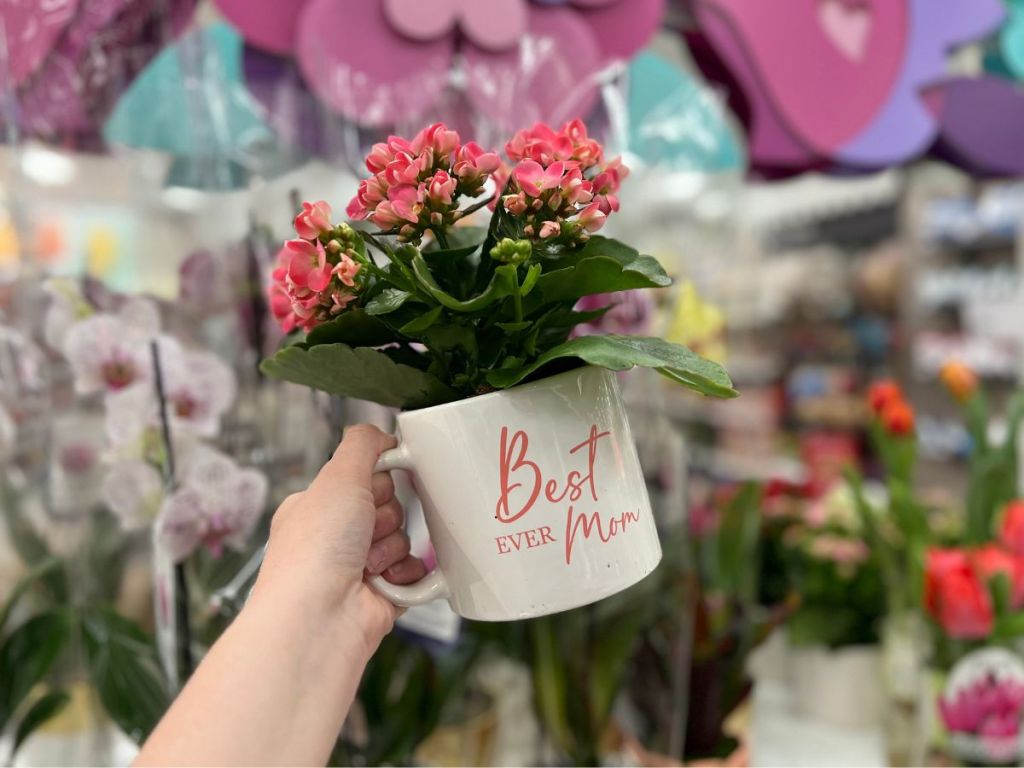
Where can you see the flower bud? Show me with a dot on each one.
(960, 380)
(510, 251)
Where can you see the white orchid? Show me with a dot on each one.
(110, 352)
(199, 389)
(133, 490)
(217, 505)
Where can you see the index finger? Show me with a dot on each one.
(352, 463)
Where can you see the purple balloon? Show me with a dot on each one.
(991, 146)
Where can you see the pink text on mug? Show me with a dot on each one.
(523, 478)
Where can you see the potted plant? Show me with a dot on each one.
(428, 311)
(834, 663)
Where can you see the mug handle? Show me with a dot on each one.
(432, 586)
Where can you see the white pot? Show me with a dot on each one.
(533, 497)
(842, 687)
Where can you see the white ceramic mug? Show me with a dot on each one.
(533, 497)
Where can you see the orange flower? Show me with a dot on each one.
(897, 417)
(960, 380)
(882, 393)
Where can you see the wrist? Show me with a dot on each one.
(317, 609)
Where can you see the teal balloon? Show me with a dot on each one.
(200, 111)
(677, 122)
(1011, 40)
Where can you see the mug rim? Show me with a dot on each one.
(500, 392)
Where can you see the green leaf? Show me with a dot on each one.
(502, 284)
(361, 373)
(549, 683)
(602, 266)
(460, 239)
(515, 327)
(451, 254)
(389, 300)
(28, 654)
(619, 353)
(38, 572)
(354, 327)
(533, 273)
(45, 708)
(421, 323)
(125, 671)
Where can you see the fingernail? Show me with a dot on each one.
(375, 560)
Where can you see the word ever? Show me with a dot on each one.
(523, 482)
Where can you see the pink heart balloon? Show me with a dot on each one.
(375, 77)
(551, 75)
(800, 79)
(492, 24)
(623, 28)
(31, 29)
(267, 25)
(847, 25)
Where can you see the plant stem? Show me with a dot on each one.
(476, 207)
(375, 242)
(439, 235)
(517, 300)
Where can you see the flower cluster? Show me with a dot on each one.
(957, 581)
(416, 185)
(561, 184)
(317, 274)
(890, 408)
(991, 708)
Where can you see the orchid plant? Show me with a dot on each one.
(428, 310)
(214, 503)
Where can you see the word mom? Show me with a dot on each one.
(523, 483)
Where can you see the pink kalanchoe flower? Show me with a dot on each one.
(534, 179)
(436, 137)
(314, 219)
(346, 270)
(550, 229)
(592, 218)
(217, 506)
(406, 202)
(473, 163)
(307, 265)
(441, 188)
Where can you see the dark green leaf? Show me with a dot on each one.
(45, 708)
(515, 327)
(418, 325)
(602, 266)
(362, 373)
(353, 327)
(38, 572)
(460, 238)
(619, 353)
(501, 285)
(125, 671)
(549, 683)
(448, 337)
(450, 254)
(28, 654)
(389, 300)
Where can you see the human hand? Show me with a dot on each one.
(347, 525)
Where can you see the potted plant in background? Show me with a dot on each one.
(834, 661)
(429, 312)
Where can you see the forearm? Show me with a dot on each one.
(275, 688)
